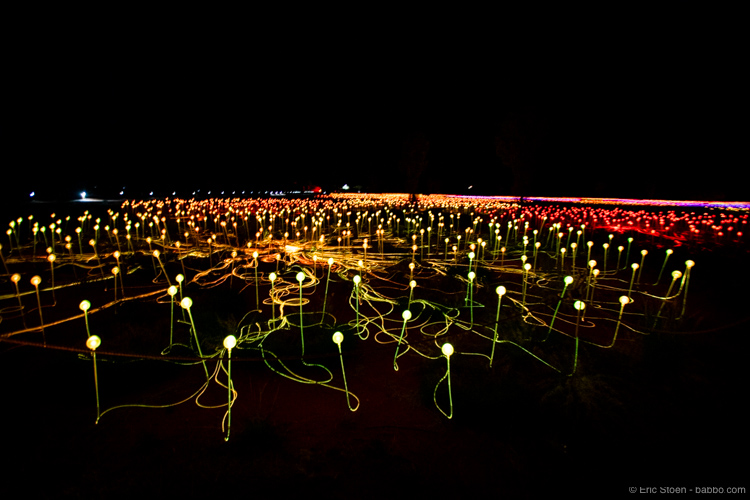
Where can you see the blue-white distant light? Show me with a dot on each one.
(83, 195)
(31, 195)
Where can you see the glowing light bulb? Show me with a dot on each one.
(568, 280)
(36, 280)
(500, 290)
(84, 306)
(624, 300)
(330, 261)
(447, 350)
(180, 278)
(472, 275)
(689, 263)
(676, 275)
(412, 283)
(272, 277)
(356, 279)
(93, 342)
(172, 291)
(579, 305)
(338, 337)
(186, 303)
(300, 276)
(15, 278)
(230, 341)
(406, 315)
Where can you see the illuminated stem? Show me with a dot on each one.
(554, 315)
(325, 297)
(575, 357)
(96, 387)
(450, 395)
(198, 344)
(343, 374)
(406, 315)
(229, 393)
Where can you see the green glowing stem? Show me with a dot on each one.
(229, 393)
(301, 328)
(96, 388)
(450, 395)
(497, 322)
(41, 319)
(343, 373)
(632, 279)
(617, 328)
(325, 297)
(398, 344)
(627, 255)
(661, 271)
(669, 290)
(356, 307)
(575, 358)
(198, 344)
(86, 318)
(171, 320)
(554, 315)
(684, 298)
(640, 269)
(257, 293)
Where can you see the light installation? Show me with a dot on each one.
(510, 282)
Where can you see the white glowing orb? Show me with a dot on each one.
(84, 305)
(447, 350)
(93, 342)
(338, 337)
(230, 341)
(406, 315)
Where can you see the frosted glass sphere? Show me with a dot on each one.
(447, 350)
(93, 342)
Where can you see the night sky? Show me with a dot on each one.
(168, 117)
